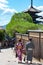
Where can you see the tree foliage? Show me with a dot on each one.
(20, 22)
(2, 35)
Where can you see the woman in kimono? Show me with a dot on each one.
(19, 47)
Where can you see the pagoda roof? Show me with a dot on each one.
(41, 17)
(36, 16)
(32, 9)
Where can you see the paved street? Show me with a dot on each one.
(7, 57)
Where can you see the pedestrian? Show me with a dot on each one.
(29, 50)
(19, 47)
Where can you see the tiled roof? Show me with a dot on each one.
(41, 17)
(32, 9)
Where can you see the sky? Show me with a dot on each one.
(9, 7)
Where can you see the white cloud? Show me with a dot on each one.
(3, 4)
(40, 14)
(9, 10)
(5, 8)
(5, 18)
(3, 1)
(40, 7)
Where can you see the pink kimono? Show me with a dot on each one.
(19, 47)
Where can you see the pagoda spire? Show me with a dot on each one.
(32, 11)
(31, 3)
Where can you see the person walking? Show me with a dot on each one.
(29, 50)
(19, 47)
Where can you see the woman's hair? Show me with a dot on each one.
(30, 39)
(19, 40)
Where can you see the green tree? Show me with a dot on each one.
(20, 22)
(2, 36)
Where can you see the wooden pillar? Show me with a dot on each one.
(39, 46)
(21, 36)
(28, 35)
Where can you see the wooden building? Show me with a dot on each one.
(32, 11)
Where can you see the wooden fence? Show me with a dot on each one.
(35, 39)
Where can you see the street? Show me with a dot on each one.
(7, 57)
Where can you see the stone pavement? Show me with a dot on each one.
(7, 57)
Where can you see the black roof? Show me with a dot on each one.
(32, 9)
(41, 17)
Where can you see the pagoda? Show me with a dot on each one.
(41, 17)
(33, 11)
